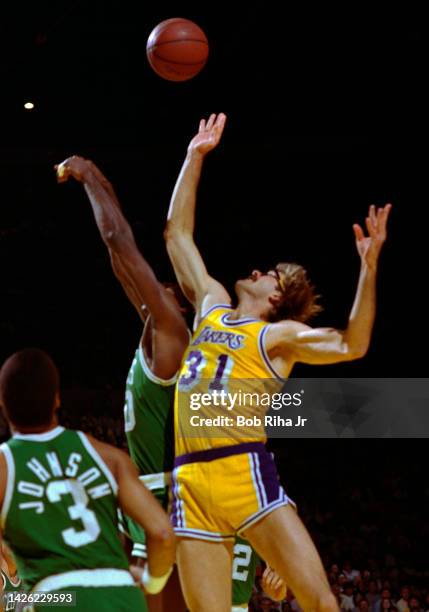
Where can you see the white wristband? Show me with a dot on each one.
(154, 584)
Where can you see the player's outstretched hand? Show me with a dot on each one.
(369, 247)
(273, 585)
(209, 134)
(74, 166)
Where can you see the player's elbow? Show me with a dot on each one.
(111, 238)
(174, 232)
(171, 234)
(357, 351)
(162, 536)
(176, 241)
(117, 239)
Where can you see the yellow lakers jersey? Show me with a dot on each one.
(223, 374)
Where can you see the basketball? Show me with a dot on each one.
(177, 49)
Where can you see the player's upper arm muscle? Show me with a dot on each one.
(320, 345)
(191, 273)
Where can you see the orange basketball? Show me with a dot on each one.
(177, 49)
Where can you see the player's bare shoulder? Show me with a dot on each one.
(280, 344)
(284, 333)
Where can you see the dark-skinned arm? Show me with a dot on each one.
(170, 336)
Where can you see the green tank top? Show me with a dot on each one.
(60, 509)
(243, 571)
(148, 416)
(9, 587)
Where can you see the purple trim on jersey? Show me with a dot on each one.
(219, 453)
(265, 358)
(215, 307)
(236, 322)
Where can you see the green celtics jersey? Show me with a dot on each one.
(243, 571)
(60, 511)
(148, 416)
(9, 587)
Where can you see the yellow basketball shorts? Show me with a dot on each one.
(220, 492)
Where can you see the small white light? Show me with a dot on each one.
(28, 105)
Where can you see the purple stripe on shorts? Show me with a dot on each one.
(176, 518)
(219, 453)
(270, 479)
(257, 478)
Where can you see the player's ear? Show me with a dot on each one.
(274, 299)
(57, 401)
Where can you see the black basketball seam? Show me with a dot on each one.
(169, 61)
(177, 40)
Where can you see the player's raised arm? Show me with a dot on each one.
(130, 267)
(188, 264)
(327, 345)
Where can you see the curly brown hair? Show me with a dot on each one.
(299, 300)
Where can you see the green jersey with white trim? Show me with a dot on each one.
(9, 587)
(60, 508)
(148, 416)
(243, 571)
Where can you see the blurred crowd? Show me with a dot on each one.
(375, 588)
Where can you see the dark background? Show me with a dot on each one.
(326, 114)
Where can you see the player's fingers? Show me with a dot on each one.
(211, 121)
(385, 213)
(373, 215)
(369, 226)
(221, 119)
(278, 583)
(62, 173)
(220, 124)
(359, 235)
(202, 125)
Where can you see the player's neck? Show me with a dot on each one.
(36, 429)
(248, 307)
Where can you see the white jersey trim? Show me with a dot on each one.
(204, 313)
(236, 322)
(139, 550)
(164, 382)
(100, 462)
(105, 577)
(14, 584)
(238, 608)
(156, 481)
(10, 463)
(42, 437)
